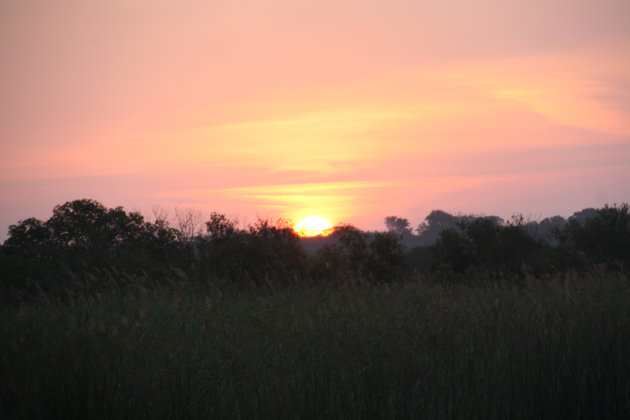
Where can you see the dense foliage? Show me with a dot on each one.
(85, 238)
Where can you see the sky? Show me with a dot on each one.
(351, 110)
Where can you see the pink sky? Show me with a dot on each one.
(351, 110)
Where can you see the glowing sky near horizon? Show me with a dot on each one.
(350, 110)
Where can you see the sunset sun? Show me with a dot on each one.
(313, 226)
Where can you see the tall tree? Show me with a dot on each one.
(398, 225)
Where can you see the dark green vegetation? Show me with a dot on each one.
(551, 348)
(105, 315)
(83, 241)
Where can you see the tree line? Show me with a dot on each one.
(83, 239)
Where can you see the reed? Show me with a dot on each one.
(553, 347)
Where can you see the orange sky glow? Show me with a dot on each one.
(348, 110)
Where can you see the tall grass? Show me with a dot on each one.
(554, 348)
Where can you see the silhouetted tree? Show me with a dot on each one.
(89, 226)
(266, 250)
(434, 223)
(189, 222)
(355, 246)
(85, 229)
(599, 236)
(546, 228)
(28, 238)
(438, 221)
(275, 249)
(223, 252)
(219, 227)
(516, 248)
(483, 244)
(583, 215)
(387, 259)
(453, 251)
(357, 255)
(398, 225)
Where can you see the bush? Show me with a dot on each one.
(601, 238)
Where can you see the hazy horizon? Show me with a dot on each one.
(351, 110)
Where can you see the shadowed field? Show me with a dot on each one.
(550, 348)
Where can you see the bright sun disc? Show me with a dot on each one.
(313, 226)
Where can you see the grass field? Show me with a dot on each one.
(552, 348)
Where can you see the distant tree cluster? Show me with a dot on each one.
(352, 254)
(84, 237)
(487, 243)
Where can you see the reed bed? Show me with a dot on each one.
(548, 348)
